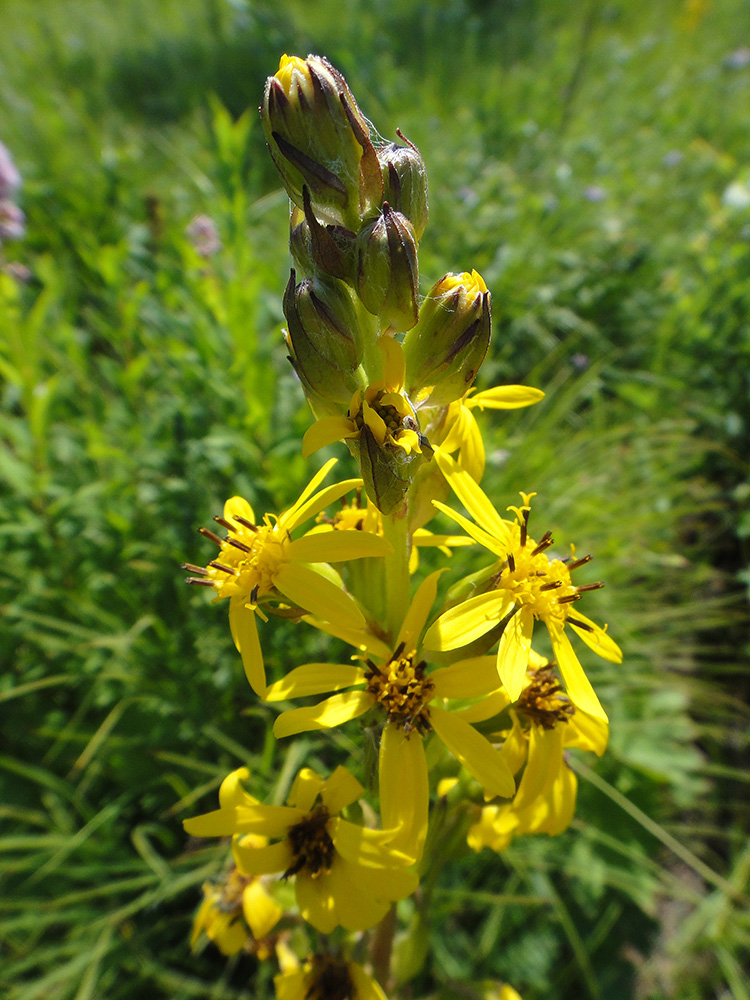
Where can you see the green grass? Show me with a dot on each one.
(141, 386)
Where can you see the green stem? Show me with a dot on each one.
(381, 948)
(396, 568)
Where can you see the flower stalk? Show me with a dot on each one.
(391, 375)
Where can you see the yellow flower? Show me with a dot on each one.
(526, 586)
(344, 874)
(238, 913)
(383, 408)
(324, 977)
(262, 563)
(382, 426)
(458, 432)
(545, 723)
(395, 680)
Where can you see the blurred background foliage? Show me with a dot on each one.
(591, 160)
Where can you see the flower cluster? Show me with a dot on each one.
(444, 689)
(12, 219)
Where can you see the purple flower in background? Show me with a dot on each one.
(10, 179)
(12, 221)
(204, 236)
(594, 193)
(738, 59)
(672, 158)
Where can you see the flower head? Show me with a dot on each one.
(545, 722)
(526, 586)
(382, 426)
(344, 874)
(325, 977)
(237, 913)
(260, 565)
(396, 682)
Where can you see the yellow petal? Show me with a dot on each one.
(260, 909)
(493, 704)
(305, 789)
(326, 431)
(471, 455)
(477, 533)
(312, 505)
(416, 616)
(366, 988)
(404, 790)
(513, 652)
(468, 621)
(474, 499)
(336, 546)
(362, 846)
(232, 793)
(244, 629)
(587, 733)
(264, 860)
(542, 766)
(579, 687)
(332, 712)
(515, 749)
(315, 678)
(505, 397)
(266, 820)
(596, 638)
(422, 537)
(238, 506)
(394, 363)
(290, 985)
(375, 422)
(467, 678)
(359, 638)
(340, 790)
(388, 883)
(316, 902)
(474, 751)
(311, 591)
(356, 909)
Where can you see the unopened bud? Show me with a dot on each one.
(324, 341)
(319, 138)
(446, 348)
(405, 182)
(318, 248)
(387, 276)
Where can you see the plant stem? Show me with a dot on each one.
(396, 569)
(381, 948)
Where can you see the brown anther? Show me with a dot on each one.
(544, 543)
(239, 545)
(551, 586)
(200, 570)
(224, 523)
(398, 651)
(569, 599)
(223, 567)
(254, 594)
(199, 582)
(511, 562)
(524, 527)
(580, 624)
(590, 586)
(579, 562)
(245, 523)
(209, 534)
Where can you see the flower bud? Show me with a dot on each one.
(317, 248)
(446, 348)
(387, 274)
(405, 182)
(318, 137)
(324, 341)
